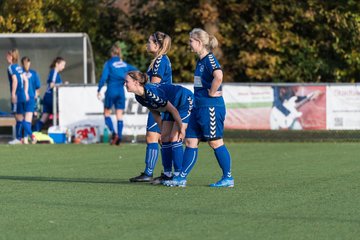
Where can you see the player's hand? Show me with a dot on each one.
(99, 96)
(13, 99)
(182, 132)
(215, 94)
(27, 96)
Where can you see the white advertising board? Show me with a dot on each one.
(343, 107)
(79, 106)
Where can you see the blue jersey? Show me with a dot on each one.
(203, 78)
(114, 72)
(15, 69)
(161, 69)
(54, 77)
(158, 95)
(34, 82)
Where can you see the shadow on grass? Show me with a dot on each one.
(70, 180)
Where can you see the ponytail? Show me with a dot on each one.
(209, 41)
(116, 50)
(164, 41)
(56, 61)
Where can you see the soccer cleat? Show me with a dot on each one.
(141, 178)
(114, 139)
(15, 141)
(224, 182)
(176, 182)
(118, 141)
(160, 179)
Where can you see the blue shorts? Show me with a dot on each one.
(151, 125)
(114, 98)
(185, 107)
(48, 104)
(30, 105)
(206, 123)
(18, 108)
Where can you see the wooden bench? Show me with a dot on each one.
(8, 122)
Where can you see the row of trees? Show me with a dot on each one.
(261, 41)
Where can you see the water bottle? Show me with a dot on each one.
(68, 135)
(106, 135)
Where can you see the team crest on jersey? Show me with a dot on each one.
(119, 64)
(28, 75)
(201, 68)
(19, 69)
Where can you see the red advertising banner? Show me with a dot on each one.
(275, 107)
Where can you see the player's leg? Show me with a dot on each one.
(166, 149)
(120, 125)
(152, 151)
(177, 148)
(47, 110)
(119, 103)
(215, 129)
(29, 109)
(190, 154)
(184, 109)
(108, 103)
(19, 117)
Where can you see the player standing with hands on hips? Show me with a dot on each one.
(207, 119)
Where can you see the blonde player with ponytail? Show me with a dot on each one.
(207, 118)
(159, 72)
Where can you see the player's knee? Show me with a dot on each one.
(191, 142)
(216, 143)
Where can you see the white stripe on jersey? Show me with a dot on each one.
(54, 76)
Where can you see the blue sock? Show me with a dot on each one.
(224, 160)
(152, 153)
(166, 157)
(190, 157)
(27, 128)
(120, 125)
(19, 129)
(177, 155)
(38, 126)
(109, 124)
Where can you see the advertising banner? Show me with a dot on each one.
(247, 107)
(343, 107)
(298, 107)
(79, 106)
(275, 107)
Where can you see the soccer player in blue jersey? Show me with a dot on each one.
(33, 92)
(207, 120)
(174, 101)
(159, 72)
(19, 92)
(53, 80)
(114, 72)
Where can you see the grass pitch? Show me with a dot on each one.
(282, 191)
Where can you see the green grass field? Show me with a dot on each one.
(283, 191)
